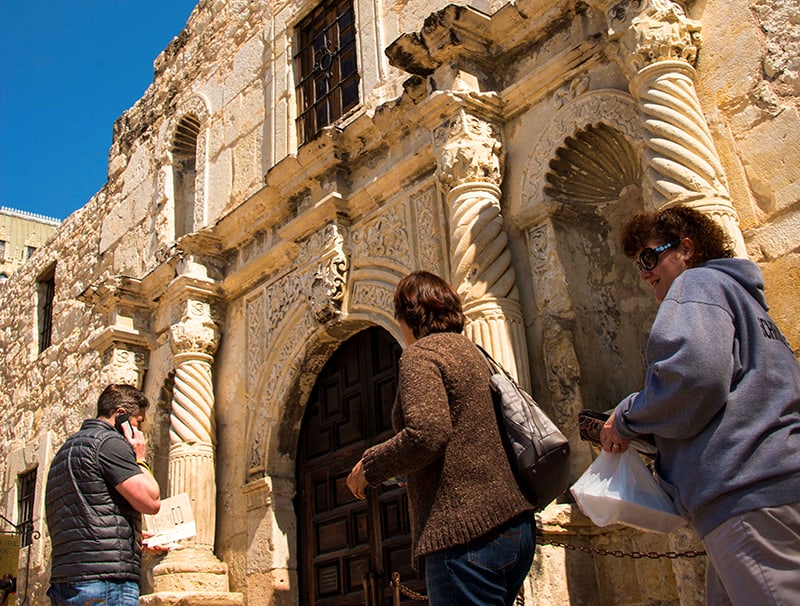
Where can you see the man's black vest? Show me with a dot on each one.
(96, 534)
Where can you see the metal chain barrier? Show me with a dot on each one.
(617, 553)
(406, 591)
(399, 588)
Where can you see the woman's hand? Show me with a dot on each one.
(610, 439)
(357, 481)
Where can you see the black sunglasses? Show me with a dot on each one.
(648, 258)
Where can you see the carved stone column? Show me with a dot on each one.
(193, 569)
(192, 433)
(470, 159)
(656, 45)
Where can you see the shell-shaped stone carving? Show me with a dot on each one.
(593, 166)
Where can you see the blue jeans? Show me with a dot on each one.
(488, 571)
(95, 593)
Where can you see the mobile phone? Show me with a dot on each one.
(122, 422)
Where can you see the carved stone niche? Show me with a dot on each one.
(593, 166)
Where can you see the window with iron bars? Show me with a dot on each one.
(26, 483)
(46, 287)
(328, 70)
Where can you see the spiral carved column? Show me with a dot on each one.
(470, 165)
(656, 45)
(191, 450)
(194, 569)
(682, 161)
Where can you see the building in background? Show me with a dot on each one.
(21, 233)
(290, 163)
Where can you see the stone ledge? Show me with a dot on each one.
(190, 598)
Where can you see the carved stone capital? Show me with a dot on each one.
(643, 32)
(124, 363)
(196, 331)
(469, 149)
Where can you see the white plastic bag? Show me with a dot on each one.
(619, 489)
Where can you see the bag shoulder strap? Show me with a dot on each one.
(494, 366)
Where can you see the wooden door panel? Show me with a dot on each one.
(342, 540)
(340, 551)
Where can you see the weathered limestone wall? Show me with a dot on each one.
(750, 83)
(466, 126)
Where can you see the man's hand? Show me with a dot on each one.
(136, 439)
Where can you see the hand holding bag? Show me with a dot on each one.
(619, 489)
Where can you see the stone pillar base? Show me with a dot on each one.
(190, 570)
(191, 598)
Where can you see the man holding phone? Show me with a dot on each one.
(98, 486)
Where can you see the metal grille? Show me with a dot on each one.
(47, 289)
(326, 59)
(25, 496)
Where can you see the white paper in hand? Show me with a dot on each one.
(173, 522)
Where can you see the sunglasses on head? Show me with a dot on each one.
(648, 258)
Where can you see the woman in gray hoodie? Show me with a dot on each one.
(722, 402)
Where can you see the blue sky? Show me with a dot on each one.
(68, 70)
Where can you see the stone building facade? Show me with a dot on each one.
(292, 161)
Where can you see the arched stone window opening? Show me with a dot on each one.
(184, 167)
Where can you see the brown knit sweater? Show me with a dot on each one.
(448, 445)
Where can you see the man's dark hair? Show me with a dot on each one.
(676, 223)
(428, 304)
(126, 397)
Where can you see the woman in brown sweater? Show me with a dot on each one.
(469, 519)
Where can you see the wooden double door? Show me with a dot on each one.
(348, 549)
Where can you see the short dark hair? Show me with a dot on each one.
(676, 223)
(428, 304)
(126, 397)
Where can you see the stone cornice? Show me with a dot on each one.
(128, 336)
(455, 32)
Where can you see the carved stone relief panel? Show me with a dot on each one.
(431, 230)
(256, 336)
(338, 269)
(316, 281)
(383, 239)
(372, 295)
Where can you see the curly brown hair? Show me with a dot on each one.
(428, 304)
(676, 223)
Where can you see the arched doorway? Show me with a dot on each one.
(349, 548)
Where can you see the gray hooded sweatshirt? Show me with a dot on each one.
(721, 397)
